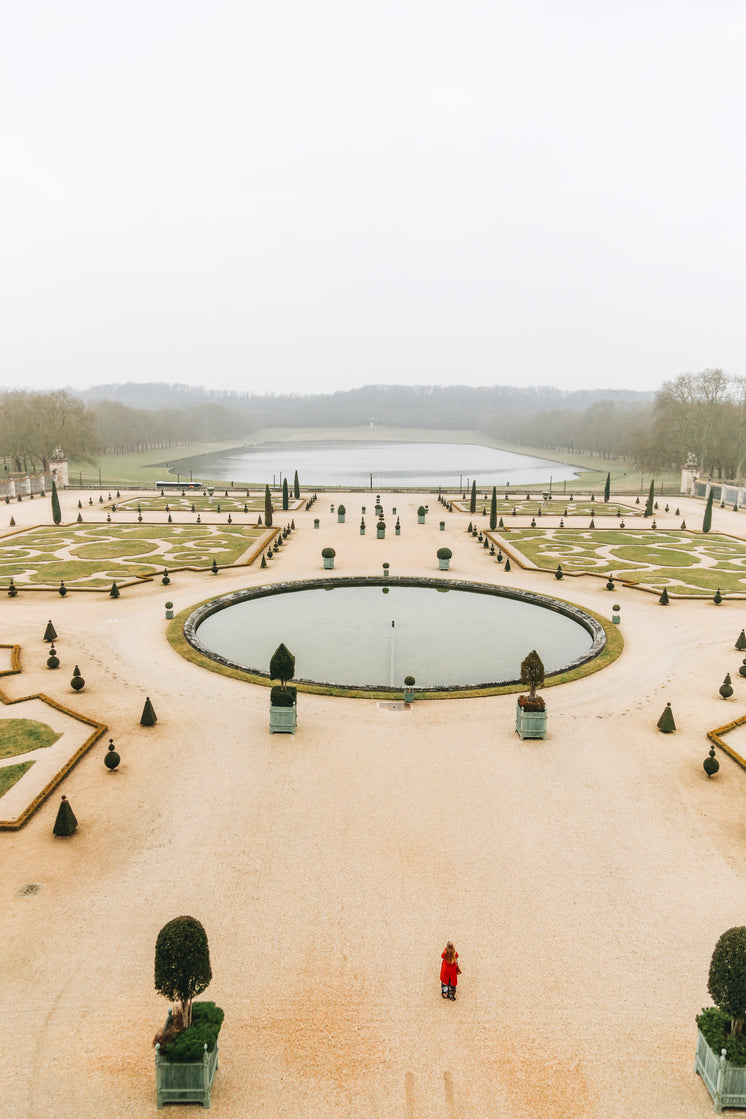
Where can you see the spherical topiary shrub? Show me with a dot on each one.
(112, 759)
(711, 765)
(182, 963)
(53, 661)
(666, 722)
(717, 598)
(727, 979)
(610, 584)
(214, 567)
(166, 577)
(742, 669)
(559, 573)
(12, 589)
(725, 689)
(62, 589)
(409, 681)
(77, 683)
(444, 553)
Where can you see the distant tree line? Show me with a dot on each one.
(700, 414)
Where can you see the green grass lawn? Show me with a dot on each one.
(562, 508)
(9, 774)
(20, 736)
(93, 556)
(684, 562)
(236, 502)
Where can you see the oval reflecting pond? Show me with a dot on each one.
(375, 635)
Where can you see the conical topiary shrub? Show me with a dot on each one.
(666, 722)
(80, 518)
(114, 592)
(711, 765)
(264, 561)
(65, 824)
(12, 522)
(77, 683)
(148, 717)
(12, 589)
(53, 661)
(50, 633)
(507, 564)
(214, 567)
(56, 511)
(664, 599)
(741, 641)
(707, 519)
(726, 689)
(112, 759)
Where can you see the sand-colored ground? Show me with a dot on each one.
(584, 879)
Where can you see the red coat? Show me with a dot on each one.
(449, 972)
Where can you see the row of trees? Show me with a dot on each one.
(700, 414)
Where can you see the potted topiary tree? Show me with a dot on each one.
(421, 515)
(341, 514)
(283, 709)
(169, 609)
(409, 683)
(530, 710)
(328, 554)
(186, 1049)
(721, 1049)
(444, 558)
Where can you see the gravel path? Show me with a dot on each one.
(584, 879)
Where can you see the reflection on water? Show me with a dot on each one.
(391, 464)
(357, 635)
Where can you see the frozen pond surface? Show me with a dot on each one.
(344, 634)
(349, 463)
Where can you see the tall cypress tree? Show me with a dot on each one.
(267, 507)
(651, 499)
(473, 500)
(607, 487)
(707, 522)
(493, 509)
(296, 487)
(285, 495)
(56, 511)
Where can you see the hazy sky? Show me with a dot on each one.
(296, 196)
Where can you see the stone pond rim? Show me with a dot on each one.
(605, 638)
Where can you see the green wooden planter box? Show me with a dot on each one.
(725, 1082)
(442, 526)
(187, 1082)
(397, 530)
(420, 519)
(381, 532)
(328, 562)
(340, 518)
(362, 530)
(444, 564)
(283, 720)
(408, 694)
(530, 724)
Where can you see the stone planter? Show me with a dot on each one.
(725, 1082)
(283, 720)
(187, 1082)
(530, 724)
(328, 563)
(444, 564)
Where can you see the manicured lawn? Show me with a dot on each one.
(684, 562)
(96, 555)
(558, 507)
(9, 774)
(19, 736)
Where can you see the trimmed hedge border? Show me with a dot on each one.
(716, 739)
(99, 729)
(15, 660)
(607, 639)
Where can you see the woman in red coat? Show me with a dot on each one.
(449, 972)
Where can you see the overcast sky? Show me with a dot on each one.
(296, 196)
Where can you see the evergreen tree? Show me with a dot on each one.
(607, 487)
(473, 499)
(285, 495)
(727, 978)
(267, 507)
(296, 487)
(56, 511)
(651, 499)
(493, 509)
(707, 521)
(282, 665)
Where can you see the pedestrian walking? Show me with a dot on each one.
(449, 972)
